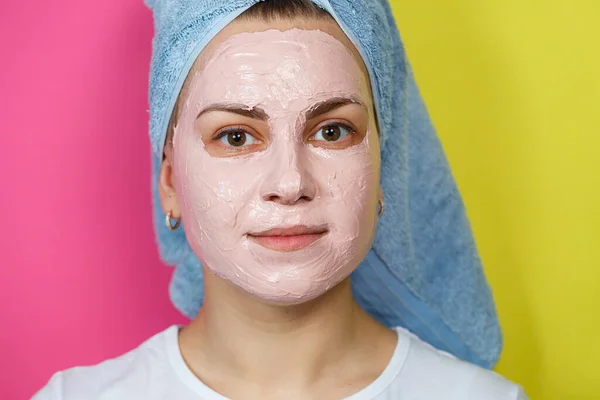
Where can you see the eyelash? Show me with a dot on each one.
(232, 129)
(350, 129)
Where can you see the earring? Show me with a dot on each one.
(169, 224)
(381, 207)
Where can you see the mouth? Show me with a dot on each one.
(288, 239)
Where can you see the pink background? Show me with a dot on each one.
(80, 277)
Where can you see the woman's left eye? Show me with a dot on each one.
(333, 132)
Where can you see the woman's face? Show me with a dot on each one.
(276, 162)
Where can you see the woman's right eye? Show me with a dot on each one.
(236, 138)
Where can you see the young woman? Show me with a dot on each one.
(272, 163)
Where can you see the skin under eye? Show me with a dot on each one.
(236, 138)
(333, 132)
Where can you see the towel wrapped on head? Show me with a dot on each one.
(423, 271)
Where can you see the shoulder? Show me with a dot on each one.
(437, 374)
(112, 378)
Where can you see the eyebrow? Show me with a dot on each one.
(258, 113)
(331, 104)
(241, 109)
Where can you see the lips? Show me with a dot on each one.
(288, 239)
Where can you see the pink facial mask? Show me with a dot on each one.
(290, 182)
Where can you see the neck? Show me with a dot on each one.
(237, 335)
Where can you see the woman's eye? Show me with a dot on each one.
(236, 138)
(333, 132)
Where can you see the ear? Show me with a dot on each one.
(166, 190)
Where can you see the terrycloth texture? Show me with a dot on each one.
(423, 272)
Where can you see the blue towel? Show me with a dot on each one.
(423, 271)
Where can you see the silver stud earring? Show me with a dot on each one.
(381, 207)
(170, 224)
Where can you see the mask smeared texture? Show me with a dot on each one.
(423, 271)
(225, 198)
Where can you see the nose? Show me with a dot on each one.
(289, 183)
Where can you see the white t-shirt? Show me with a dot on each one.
(156, 371)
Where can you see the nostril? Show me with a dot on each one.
(287, 201)
(274, 198)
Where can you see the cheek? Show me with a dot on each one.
(211, 192)
(351, 187)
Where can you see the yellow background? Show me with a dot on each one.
(513, 88)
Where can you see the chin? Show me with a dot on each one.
(292, 293)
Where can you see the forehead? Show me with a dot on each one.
(320, 42)
(238, 26)
(279, 65)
